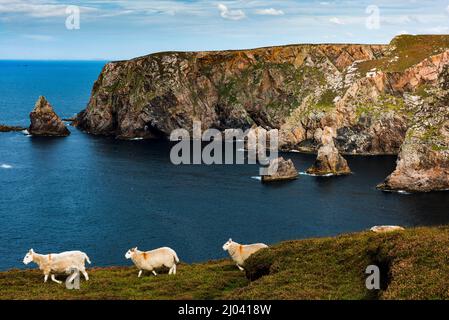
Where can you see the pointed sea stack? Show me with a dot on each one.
(329, 161)
(45, 122)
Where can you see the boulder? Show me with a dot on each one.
(329, 161)
(45, 122)
(284, 170)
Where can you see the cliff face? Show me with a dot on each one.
(372, 95)
(423, 162)
(153, 95)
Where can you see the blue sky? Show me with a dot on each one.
(116, 29)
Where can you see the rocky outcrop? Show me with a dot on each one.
(329, 161)
(284, 170)
(4, 128)
(423, 162)
(45, 122)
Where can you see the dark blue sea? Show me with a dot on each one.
(103, 196)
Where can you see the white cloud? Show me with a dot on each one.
(225, 13)
(270, 12)
(39, 37)
(36, 8)
(336, 20)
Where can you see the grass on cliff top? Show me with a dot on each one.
(408, 50)
(414, 265)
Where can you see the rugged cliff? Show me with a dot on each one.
(155, 94)
(423, 162)
(371, 94)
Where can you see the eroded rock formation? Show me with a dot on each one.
(423, 162)
(284, 170)
(329, 161)
(4, 128)
(45, 122)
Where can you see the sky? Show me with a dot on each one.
(117, 29)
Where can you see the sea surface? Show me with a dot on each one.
(103, 196)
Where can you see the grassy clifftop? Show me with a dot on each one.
(414, 265)
(406, 51)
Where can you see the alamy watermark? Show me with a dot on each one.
(233, 146)
(73, 20)
(372, 282)
(73, 280)
(372, 22)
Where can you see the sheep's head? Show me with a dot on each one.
(28, 257)
(130, 252)
(227, 245)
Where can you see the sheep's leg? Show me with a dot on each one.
(140, 274)
(170, 271)
(240, 268)
(86, 276)
(154, 272)
(54, 279)
(45, 278)
(173, 269)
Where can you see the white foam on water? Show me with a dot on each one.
(5, 166)
(25, 132)
(398, 191)
(316, 175)
(136, 139)
(257, 178)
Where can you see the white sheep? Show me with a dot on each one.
(55, 263)
(385, 229)
(239, 253)
(154, 259)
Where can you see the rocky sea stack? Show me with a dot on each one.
(284, 170)
(45, 122)
(329, 161)
(377, 97)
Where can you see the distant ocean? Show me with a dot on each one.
(103, 196)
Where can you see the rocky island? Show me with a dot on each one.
(381, 99)
(45, 122)
(4, 128)
(284, 170)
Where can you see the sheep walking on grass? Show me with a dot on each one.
(57, 263)
(151, 260)
(239, 253)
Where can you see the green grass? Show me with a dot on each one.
(410, 50)
(326, 101)
(209, 280)
(385, 103)
(414, 265)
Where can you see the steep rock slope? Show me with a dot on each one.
(152, 95)
(423, 162)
